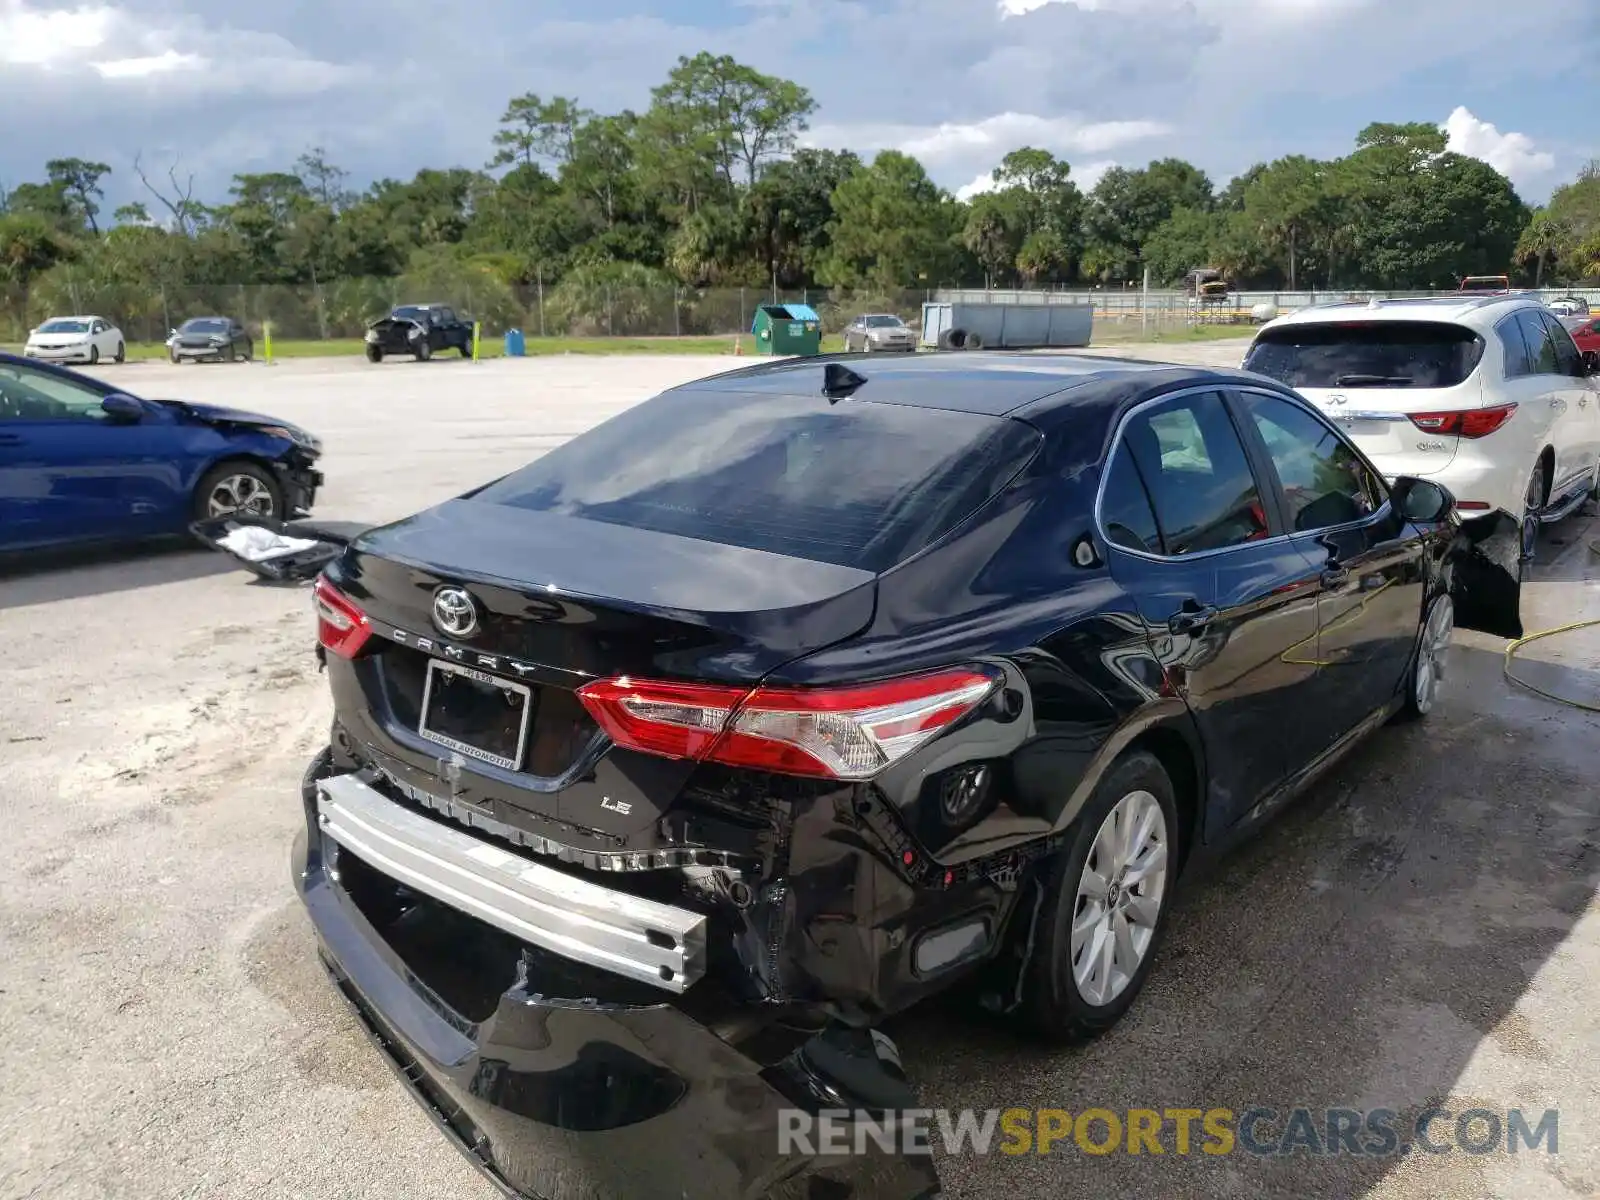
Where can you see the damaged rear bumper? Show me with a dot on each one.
(554, 1092)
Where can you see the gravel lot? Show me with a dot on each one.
(1422, 928)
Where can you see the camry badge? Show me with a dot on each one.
(454, 612)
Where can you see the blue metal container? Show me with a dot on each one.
(516, 346)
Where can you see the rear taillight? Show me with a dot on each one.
(341, 626)
(1468, 423)
(836, 733)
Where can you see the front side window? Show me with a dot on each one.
(1323, 480)
(30, 395)
(1193, 464)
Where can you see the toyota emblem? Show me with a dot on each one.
(454, 612)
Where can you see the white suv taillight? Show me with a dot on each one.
(850, 732)
(1467, 423)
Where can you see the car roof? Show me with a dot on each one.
(1467, 310)
(72, 317)
(988, 383)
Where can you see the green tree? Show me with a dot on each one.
(891, 226)
(1127, 206)
(79, 184)
(534, 131)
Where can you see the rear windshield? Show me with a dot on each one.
(850, 483)
(1419, 354)
(205, 325)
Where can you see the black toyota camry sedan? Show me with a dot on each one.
(666, 767)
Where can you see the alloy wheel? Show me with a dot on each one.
(1120, 894)
(239, 493)
(1431, 653)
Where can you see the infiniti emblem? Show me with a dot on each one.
(1338, 399)
(454, 612)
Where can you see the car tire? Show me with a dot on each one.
(1072, 994)
(466, 347)
(121, 356)
(1535, 498)
(94, 355)
(1428, 660)
(424, 351)
(172, 356)
(249, 350)
(974, 341)
(233, 352)
(246, 481)
(952, 339)
(374, 354)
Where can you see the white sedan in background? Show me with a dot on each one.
(76, 339)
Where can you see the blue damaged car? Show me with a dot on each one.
(82, 461)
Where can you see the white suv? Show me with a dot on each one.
(1488, 396)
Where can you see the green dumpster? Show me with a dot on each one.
(787, 329)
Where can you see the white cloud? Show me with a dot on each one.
(973, 149)
(43, 38)
(1514, 155)
(149, 64)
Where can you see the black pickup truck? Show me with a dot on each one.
(419, 330)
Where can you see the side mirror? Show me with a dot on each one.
(1422, 500)
(122, 408)
(1591, 362)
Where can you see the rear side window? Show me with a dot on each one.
(1519, 362)
(1125, 511)
(853, 483)
(1541, 346)
(1194, 466)
(1351, 354)
(1568, 360)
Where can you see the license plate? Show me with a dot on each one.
(476, 714)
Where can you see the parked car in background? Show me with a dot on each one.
(419, 330)
(1569, 306)
(217, 339)
(1487, 396)
(878, 331)
(1585, 333)
(1485, 285)
(82, 460)
(676, 762)
(76, 339)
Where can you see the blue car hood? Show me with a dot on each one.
(220, 415)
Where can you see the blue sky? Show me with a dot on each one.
(230, 85)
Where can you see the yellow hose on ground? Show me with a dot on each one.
(1513, 647)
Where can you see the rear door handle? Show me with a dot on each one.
(10, 439)
(1189, 619)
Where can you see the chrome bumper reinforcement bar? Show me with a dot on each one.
(637, 938)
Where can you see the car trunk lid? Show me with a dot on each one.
(590, 600)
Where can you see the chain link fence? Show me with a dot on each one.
(585, 308)
(342, 308)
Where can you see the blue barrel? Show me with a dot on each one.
(516, 347)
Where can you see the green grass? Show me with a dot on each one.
(1110, 335)
(1104, 335)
